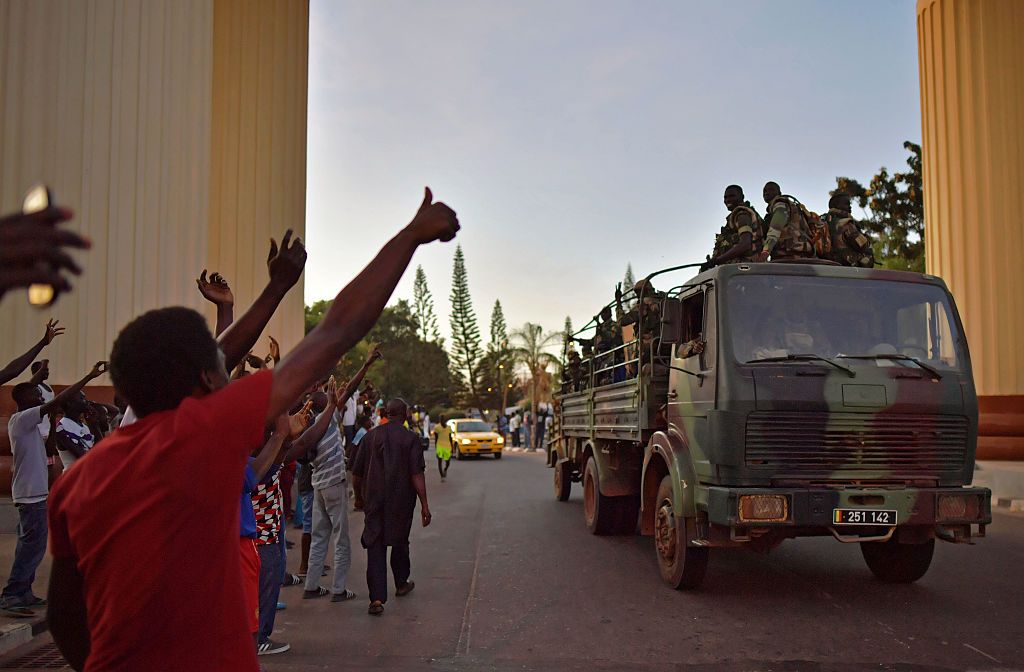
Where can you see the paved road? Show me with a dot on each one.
(509, 579)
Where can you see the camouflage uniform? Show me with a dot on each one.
(850, 246)
(742, 219)
(788, 236)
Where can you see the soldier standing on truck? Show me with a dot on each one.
(850, 245)
(788, 235)
(741, 238)
(607, 336)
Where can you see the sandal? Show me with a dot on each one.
(320, 591)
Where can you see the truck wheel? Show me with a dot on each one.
(682, 566)
(563, 481)
(894, 562)
(598, 510)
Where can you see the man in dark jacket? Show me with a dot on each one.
(388, 472)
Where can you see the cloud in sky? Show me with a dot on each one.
(574, 137)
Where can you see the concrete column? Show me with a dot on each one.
(972, 104)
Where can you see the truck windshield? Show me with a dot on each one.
(777, 316)
(472, 426)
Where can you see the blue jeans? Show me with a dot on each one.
(28, 554)
(270, 587)
(307, 506)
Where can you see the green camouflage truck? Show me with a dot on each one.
(827, 401)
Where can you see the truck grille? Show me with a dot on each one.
(855, 443)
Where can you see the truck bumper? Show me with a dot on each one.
(815, 508)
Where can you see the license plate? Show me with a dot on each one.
(863, 517)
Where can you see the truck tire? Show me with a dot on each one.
(682, 566)
(599, 511)
(893, 562)
(563, 481)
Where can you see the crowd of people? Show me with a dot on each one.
(145, 571)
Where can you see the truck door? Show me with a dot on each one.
(694, 377)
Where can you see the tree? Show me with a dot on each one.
(894, 212)
(413, 369)
(627, 284)
(529, 348)
(315, 313)
(423, 309)
(466, 348)
(496, 365)
(499, 330)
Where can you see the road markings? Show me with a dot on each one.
(977, 650)
(465, 632)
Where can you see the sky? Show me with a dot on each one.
(573, 137)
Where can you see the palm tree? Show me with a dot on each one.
(529, 347)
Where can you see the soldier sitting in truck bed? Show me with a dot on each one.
(645, 315)
(607, 336)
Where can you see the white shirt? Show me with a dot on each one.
(30, 482)
(348, 418)
(129, 417)
(513, 423)
(426, 423)
(81, 432)
(44, 426)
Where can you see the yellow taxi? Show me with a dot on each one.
(475, 437)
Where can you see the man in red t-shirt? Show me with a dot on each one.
(146, 573)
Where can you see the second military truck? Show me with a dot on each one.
(825, 401)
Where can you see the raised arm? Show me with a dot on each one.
(301, 446)
(268, 453)
(357, 306)
(72, 390)
(285, 266)
(217, 291)
(19, 364)
(353, 384)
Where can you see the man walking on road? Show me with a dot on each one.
(389, 474)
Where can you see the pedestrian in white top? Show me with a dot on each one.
(30, 488)
(74, 438)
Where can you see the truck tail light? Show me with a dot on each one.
(958, 507)
(763, 508)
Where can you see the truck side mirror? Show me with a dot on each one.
(671, 321)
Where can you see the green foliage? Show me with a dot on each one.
(412, 368)
(423, 309)
(466, 348)
(530, 347)
(315, 313)
(499, 330)
(894, 212)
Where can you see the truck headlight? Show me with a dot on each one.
(958, 507)
(466, 442)
(763, 508)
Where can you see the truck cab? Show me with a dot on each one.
(826, 401)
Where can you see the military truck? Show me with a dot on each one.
(827, 401)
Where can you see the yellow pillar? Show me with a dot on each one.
(971, 59)
(176, 131)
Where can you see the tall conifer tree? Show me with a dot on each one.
(466, 348)
(423, 309)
